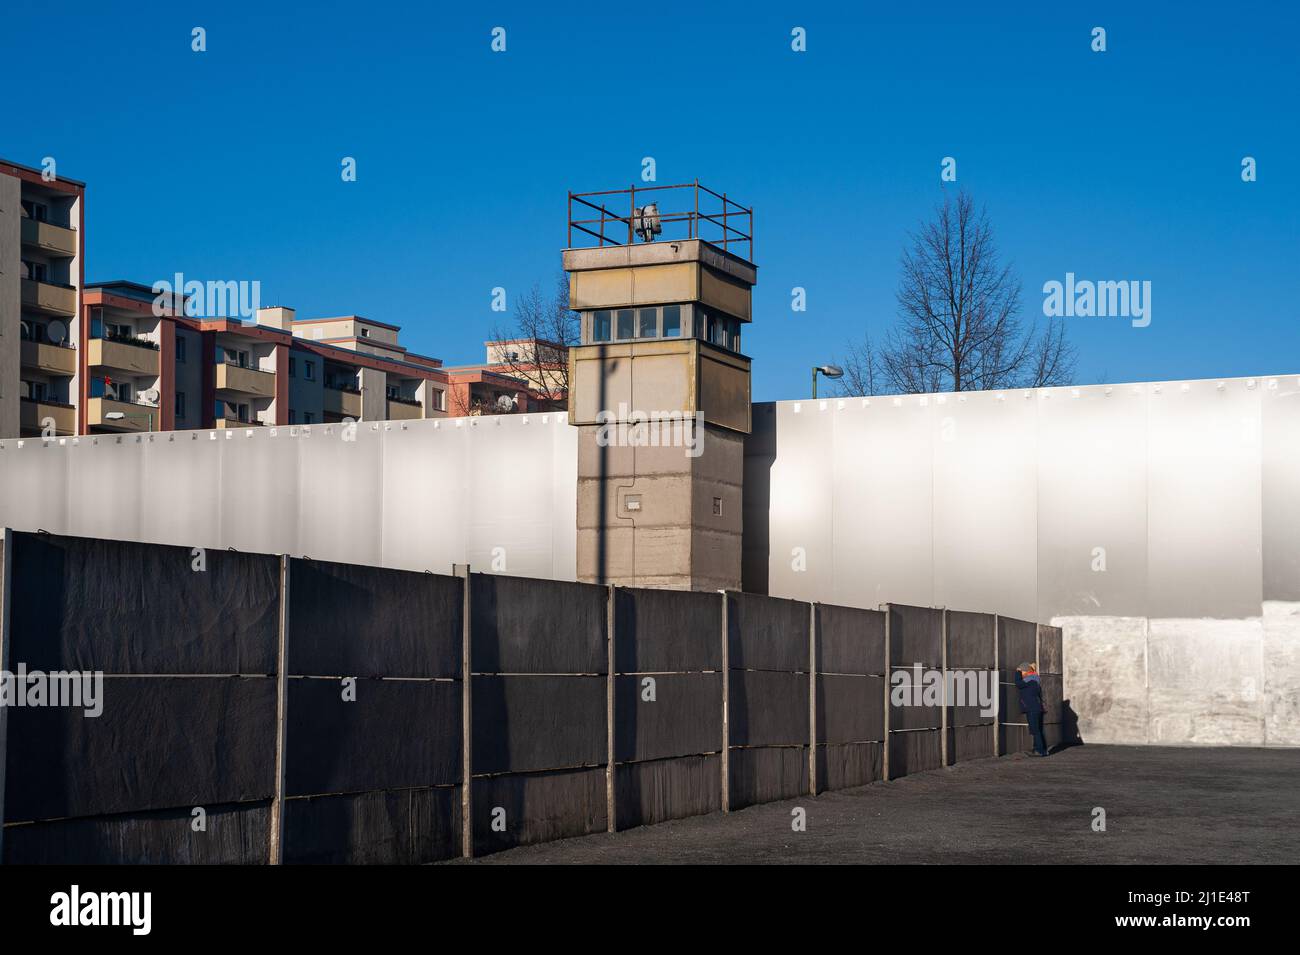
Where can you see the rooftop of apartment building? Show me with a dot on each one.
(10, 168)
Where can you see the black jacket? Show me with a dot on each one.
(1031, 694)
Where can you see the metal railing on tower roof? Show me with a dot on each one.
(690, 211)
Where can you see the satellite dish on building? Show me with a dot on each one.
(57, 332)
(645, 222)
(506, 403)
(150, 396)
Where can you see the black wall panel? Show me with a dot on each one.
(160, 743)
(915, 636)
(849, 765)
(395, 734)
(684, 719)
(768, 708)
(970, 742)
(767, 774)
(1052, 659)
(532, 723)
(1014, 739)
(914, 751)
(347, 620)
(657, 790)
(970, 640)
(402, 827)
(850, 640)
(667, 631)
(767, 633)
(850, 709)
(235, 835)
(121, 607)
(538, 807)
(1017, 644)
(521, 625)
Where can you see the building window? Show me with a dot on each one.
(180, 404)
(309, 369)
(365, 333)
(624, 327)
(307, 417)
(180, 350)
(35, 210)
(647, 323)
(600, 328)
(672, 321)
(293, 367)
(36, 271)
(439, 399)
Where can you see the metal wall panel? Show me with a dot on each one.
(179, 470)
(106, 488)
(801, 507)
(1092, 502)
(985, 493)
(341, 497)
(259, 489)
(425, 474)
(509, 498)
(1204, 500)
(418, 495)
(34, 484)
(882, 467)
(1281, 488)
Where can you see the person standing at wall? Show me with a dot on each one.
(1031, 702)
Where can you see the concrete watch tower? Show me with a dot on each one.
(658, 387)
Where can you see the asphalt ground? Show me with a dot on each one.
(1163, 805)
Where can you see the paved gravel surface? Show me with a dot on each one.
(1163, 805)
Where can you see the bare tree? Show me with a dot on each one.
(543, 330)
(861, 366)
(959, 327)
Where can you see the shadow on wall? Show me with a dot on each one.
(1069, 727)
(756, 500)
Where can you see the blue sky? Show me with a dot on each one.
(1122, 165)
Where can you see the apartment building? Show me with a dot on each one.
(517, 375)
(154, 367)
(42, 270)
(112, 357)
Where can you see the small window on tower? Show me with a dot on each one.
(647, 323)
(672, 321)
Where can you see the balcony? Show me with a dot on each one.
(345, 404)
(137, 417)
(245, 381)
(49, 358)
(233, 423)
(49, 299)
(53, 239)
(33, 415)
(404, 409)
(122, 355)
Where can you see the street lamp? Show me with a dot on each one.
(122, 415)
(830, 371)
